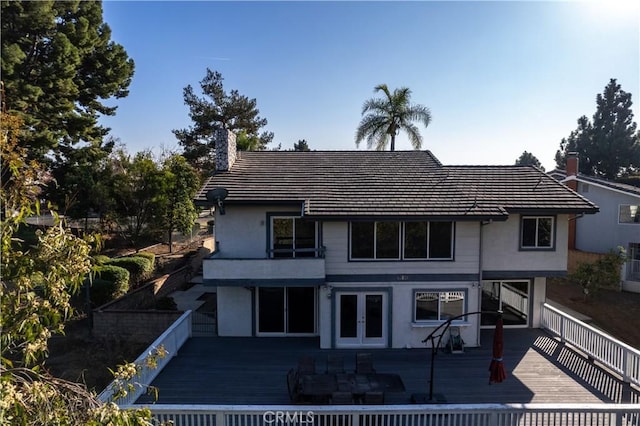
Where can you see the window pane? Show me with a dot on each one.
(388, 240)
(283, 237)
(305, 238)
(528, 232)
(629, 214)
(426, 306)
(348, 315)
(440, 240)
(415, 240)
(451, 304)
(362, 240)
(545, 227)
(270, 310)
(301, 309)
(373, 314)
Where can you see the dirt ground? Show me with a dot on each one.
(79, 357)
(616, 312)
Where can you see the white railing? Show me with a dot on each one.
(613, 354)
(400, 415)
(171, 340)
(517, 300)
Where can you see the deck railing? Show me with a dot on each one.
(171, 340)
(613, 354)
(401, 415)
(517, 300)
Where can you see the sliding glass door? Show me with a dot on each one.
(286, 310)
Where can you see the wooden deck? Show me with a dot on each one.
(228, 370)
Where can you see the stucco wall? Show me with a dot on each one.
(501, 248)
(234, 311)
(242, 231)
(404, 333)
(609, 233)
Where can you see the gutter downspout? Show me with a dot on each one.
(480, 255)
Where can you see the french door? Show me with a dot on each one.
(361, 319)
(286, 310)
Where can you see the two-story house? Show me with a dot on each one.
(617, 222)
(375, 249)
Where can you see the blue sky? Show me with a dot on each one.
(499, 77)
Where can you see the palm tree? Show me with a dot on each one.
(388, 116)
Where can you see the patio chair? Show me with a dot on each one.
(335, 364)
(364, 363)
(292, 386)
(456, 344)
(306, 365)
(373, 398)
(342, 398)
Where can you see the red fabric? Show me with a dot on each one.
(496, 368)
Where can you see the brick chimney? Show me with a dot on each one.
(225, 149)
(572, 170)
(572, 164)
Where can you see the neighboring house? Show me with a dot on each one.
(616, 225)
(376, 249)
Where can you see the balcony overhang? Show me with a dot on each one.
(219, 271)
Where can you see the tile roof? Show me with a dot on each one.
(370, 184)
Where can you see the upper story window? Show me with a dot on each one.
(402, 240)
(536, 232)
(629, 214)
(293, 237)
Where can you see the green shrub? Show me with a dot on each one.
(147, 255)
(101, 259)
(109, 283)
(604, 273)
(139, 267)
(101, 292)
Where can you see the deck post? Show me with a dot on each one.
(219, 417)
(355, 419)
(626, 355)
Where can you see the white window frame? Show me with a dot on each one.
(634, 211)
(464, 293)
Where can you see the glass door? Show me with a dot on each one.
(286, 310)
(361, 319)
(510, 297)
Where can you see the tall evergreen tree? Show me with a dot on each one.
(387, 116)
(528, 159)
(301, 145)
(609, 145)
(218, 110)
(58, 66)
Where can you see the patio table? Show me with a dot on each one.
(323, 385)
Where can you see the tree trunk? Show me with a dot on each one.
(170, 240)
(393, 142)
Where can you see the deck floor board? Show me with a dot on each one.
(239, 370)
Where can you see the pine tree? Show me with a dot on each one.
(218, 110)
(609, 145)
